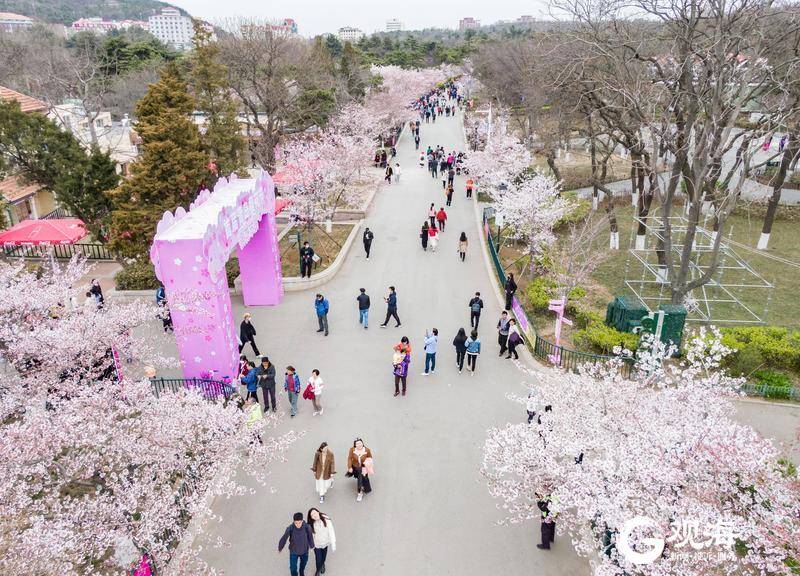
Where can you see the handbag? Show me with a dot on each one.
(308, 393)
(515, 338)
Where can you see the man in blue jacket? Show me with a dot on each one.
(391, 308)
(322, 306)
(301, 540)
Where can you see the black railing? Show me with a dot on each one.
(571, 359)
(57, 213)
(210, 389)
(90, 251)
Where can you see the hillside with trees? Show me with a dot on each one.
(67, 11)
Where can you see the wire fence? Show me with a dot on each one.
(90, 251)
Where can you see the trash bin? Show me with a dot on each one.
(672, 331)
(623, 313)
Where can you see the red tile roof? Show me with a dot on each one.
(12, 188)
(26, 103)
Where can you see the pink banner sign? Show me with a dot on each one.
(144, 568)
(522, 319)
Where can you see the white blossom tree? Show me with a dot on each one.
(529, 209)
(97, 470)
(662, 445)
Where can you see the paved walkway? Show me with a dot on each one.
(429, 512)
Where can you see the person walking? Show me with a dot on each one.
(247, 333)
(462, 246)
(391, 308)
(502, 332)
(441, 218)
(314, 390)
(396, 172)
(363, 308)
(510, 289)
(291, 383)
(423, 235)
(451, 174)
(359, 466)
(324, 537)
(473, 349)
(514, 339)
(449, 195)
(389, 172)
(416, 141)
(548, 526)
(301, 540)
(324, 468)
(432, 215)
(431, 347)
(400, 362)
(306, 260)
(470, 184)
(475, 307)
(322, 306)
(367, 239)
(460, 344)
(265, 376)
(433, 237)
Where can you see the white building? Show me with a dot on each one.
(349, 34)
(118, 139)
(10, 22)
(394, 25)
(468, 23)
(101, 26)
(172, 28)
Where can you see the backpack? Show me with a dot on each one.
(476, 306)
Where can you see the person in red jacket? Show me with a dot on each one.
(441, 218)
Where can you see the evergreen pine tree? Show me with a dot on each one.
(222, 137)
(172, 167)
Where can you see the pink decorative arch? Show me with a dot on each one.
(189, 252)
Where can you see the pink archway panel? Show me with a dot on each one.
(189, 253)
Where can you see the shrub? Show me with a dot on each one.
(138, 275)
(579, 212)
(585, 317)
(603, 339)
(539, 292)
(772, 378)
(762, 346)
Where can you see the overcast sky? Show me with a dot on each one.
(318, 16)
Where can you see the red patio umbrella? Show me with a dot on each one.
(44, 232)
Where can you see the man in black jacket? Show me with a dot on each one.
(306, 260)
(363, 308)
(368, 236)
(247, 333)
(475, 307)
(301, 540)
(391, 308)
(265, 378)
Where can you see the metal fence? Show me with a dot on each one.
(90, 251)
(773, 392)
(210, 389)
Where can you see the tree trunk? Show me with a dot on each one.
(789, 155)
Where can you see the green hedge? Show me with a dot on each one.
(140, 275)
(592, 333)
(603, 339)
(762, 347)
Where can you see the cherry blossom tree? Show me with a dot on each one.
(529, 209)
(97, 470)
(662, 445)
(500, 161)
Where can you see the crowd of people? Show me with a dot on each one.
(313, 531)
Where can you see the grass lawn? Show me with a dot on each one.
(783, 308)
(326, 246)
(608, 278)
